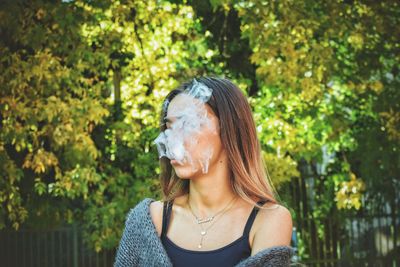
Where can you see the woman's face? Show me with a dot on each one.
(192, 136)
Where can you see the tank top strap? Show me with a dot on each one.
(251, 218)
(165, 217)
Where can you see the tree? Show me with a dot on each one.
(83, 83)
(325, 71)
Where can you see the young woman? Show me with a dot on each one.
(219, 207)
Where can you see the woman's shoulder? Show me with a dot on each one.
(156, 213)
(275, 211)
(140, 211)
(274, 227)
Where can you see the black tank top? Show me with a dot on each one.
(228, 255)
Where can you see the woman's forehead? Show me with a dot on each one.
(182, 104)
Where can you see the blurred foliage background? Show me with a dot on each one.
(82, 83)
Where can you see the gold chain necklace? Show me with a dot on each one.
(203, 231)
(201, 220)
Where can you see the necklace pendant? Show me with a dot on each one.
(200, 221)
(199, 246)
(203, 233)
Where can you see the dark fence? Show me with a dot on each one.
(355, 241)
(364, 238)
(62, 247)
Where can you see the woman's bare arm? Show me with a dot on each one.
(156, 212)
(275, 228)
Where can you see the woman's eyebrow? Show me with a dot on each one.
(168, 120)
(171, 119)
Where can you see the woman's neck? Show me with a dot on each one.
(211, 192)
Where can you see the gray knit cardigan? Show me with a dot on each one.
(141, 246)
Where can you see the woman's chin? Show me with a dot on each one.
(185, 172)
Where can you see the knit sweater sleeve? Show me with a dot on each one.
(278, 256)
(126, 249)
(140, 245)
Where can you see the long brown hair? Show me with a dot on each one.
(249, 178)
